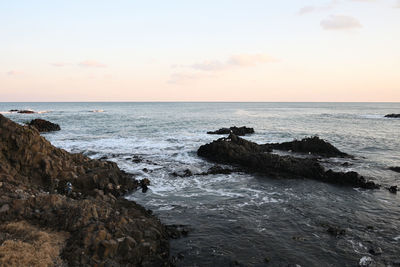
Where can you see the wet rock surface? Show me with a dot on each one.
(44, 126)
(252, 157)
(312, 145)
(392, 115)
(100, 227)
(395, 169)
(240, 131)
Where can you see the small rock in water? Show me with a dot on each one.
(392, 116)
(393, 189)
(395, 169)
(366, 261)
(375, 251)
(336, 231)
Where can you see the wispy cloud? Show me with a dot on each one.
(14, 72)
(92, 64)
(340, 22)
(242, 60)
(315, 8)
(186, 77)
(59, 64)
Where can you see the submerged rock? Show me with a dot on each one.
(336, 231)
(254, 158)
(392, 115)
(240, 131)
(100, 227)
(44, 126)
(313, 145)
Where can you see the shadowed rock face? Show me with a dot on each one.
(254, 158)
(44, 126)
(313, 145)
(395, 169)
(240, 131)
(392, 116)
(102, 227)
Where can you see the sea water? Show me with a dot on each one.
(241, 218)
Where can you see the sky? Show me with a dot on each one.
(208, 50)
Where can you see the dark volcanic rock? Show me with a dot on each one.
(392, 116)
(44, 126)
(393, 189)
(98, 226)
(26, 111)
(253, 158)
(240, 131)
(395, 169)
(313, 145)
(218, 170)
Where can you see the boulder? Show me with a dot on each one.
(240, 131)
(252, 157)
(44, 126)
(392, 115)
(311, 145)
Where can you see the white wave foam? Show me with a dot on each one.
(97, 111)
(43, 111)
(5, 112)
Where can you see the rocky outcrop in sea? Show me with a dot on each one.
(252, 157)
(240, 131)
(44, 126)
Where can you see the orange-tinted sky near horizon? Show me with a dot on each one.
(333, 50)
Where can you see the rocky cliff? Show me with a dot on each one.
(42, 224)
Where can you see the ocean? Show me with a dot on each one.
(245, 219)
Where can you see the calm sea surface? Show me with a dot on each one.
(241, 218)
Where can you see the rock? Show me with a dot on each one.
(392, 115)
(336, 231)
(313, 145)
(253, 158)
(44, 126)
(13, 110)
(184, 173)
(395, 169)
(93, 217)
(144, 183)
(4, 208)
(393, 189)
(240, 131)
(177, 231)
(26, 111)
(365, 261)
(375, 251)
(218, 170)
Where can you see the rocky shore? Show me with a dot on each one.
(252, 157)
(44, 221)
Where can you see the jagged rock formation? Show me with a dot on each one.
(240, 131)
(254, 158)
(99, 227)
(44, 126)
(392, 116)
(313, 145)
